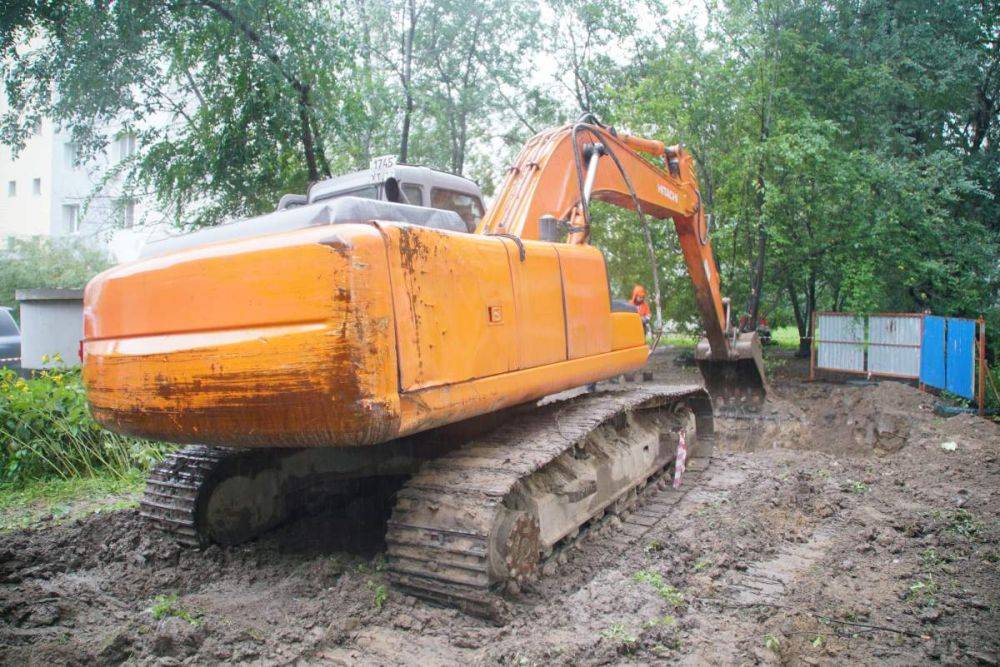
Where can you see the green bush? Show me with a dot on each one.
(46, 431)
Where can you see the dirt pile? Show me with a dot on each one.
(112, 585)
(854, 419)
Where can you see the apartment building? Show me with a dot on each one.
(47, 189)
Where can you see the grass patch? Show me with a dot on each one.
(379, 594)
(963, 523)
(671, 595)
(786, 337)
(46, 432)
(166, 606)
(653, 546)
(854, 486)
(923, 592)
(664, 621)
(23, 505)
(623, 638)
(674, 339)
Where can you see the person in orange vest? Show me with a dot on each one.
(641, 307)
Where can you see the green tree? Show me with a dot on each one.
(28, 263)
(844, 151)
(455, 70)
(258, 97)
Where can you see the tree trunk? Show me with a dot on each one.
(803, 322)
(324, 164)
(800, 322)
(404, 142)
(407, 81)
(458, 160)
(307, 135)
(805, 344)
(302, 88)
(757, 280)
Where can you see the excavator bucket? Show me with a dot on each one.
(738, 381)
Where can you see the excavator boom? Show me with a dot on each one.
(560, 170)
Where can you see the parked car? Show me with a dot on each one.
(10, 340)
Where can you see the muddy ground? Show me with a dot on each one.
(835, 529)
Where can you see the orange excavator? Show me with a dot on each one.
(304, 354)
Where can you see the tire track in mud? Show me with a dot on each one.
(710, 628)
(785, 528)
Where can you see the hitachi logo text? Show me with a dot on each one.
(668, 193)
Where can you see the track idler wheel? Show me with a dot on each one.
(515, 549)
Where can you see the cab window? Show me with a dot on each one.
(469, 207)
(366, 192)
(414, 194)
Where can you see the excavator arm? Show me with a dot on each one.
(546, 196)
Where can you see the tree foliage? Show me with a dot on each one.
(847, 150)
(47, 262)
(233, 102)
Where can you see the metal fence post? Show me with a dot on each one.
(982, 366)
(920, 379)
(812, 347)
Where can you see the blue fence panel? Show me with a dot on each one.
(932, 349)
(961, 355)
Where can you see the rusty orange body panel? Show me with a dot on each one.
(359, 333)
(346, 335)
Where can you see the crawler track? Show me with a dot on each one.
(488, 515)
(482, 513)
(171, 500)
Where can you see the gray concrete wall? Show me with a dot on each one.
(51, 324)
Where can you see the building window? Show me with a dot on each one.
(71, 218)
(11, 188)
(36, 186)
(128, 212)
(71, 154)
(125, 146)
